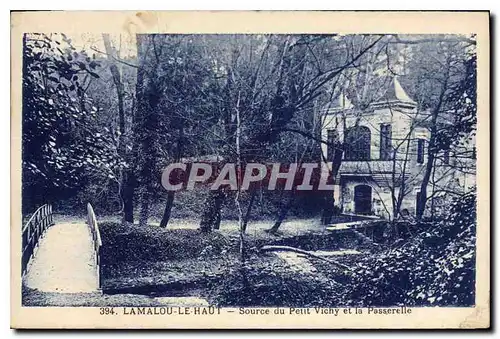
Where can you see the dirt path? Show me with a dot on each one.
(301, 264)
(64, 261)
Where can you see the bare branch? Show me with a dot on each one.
(113, 57)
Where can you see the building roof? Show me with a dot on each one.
(342, 102)
(395, 94)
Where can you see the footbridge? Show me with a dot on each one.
(61, 257)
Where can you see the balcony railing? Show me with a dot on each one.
(366, 167)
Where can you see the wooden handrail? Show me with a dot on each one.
(96, 239)
(34, 215)
(31, 232)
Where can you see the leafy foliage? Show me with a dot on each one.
(435, 268)
(463, 108)
(271, 283)
(61, 141)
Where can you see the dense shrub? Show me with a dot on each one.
(434, 268)
(151, 243)
(270, 282)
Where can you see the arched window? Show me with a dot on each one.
(357, 143)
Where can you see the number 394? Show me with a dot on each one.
(106, 310)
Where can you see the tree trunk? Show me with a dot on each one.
(168, 209)
(279, 221)
(329, 201)
(249, 210)
(423, 186)
(238, 182)
(171, 195)
(431, 152)
(128, 196)
(148, 98)
(144, 214)
(115, 73)
(433, 192)
(211, 215)
(328, 208)
(428, 168)
(129, 179)
(402, 185)
(282, 215)
(127, 190)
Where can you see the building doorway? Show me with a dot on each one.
(362, 199)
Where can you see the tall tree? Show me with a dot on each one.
(448, 79)
(125, 185)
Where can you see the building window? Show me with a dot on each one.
(420, 151)
(332, 139)
(357, 143)
(385, 142)
(446, 157)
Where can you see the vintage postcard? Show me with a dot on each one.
(238, 170)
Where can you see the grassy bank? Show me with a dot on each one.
(137, 258)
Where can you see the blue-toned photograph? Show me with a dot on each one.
(248, 170)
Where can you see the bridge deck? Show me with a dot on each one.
(64, 261)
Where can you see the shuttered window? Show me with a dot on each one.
(420, 151)
(385, 142)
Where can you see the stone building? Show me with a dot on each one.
(385, 155)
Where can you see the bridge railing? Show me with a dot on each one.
(96, 239)
(33, 230)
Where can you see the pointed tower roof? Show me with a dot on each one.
(395, 95)
(342, 102)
